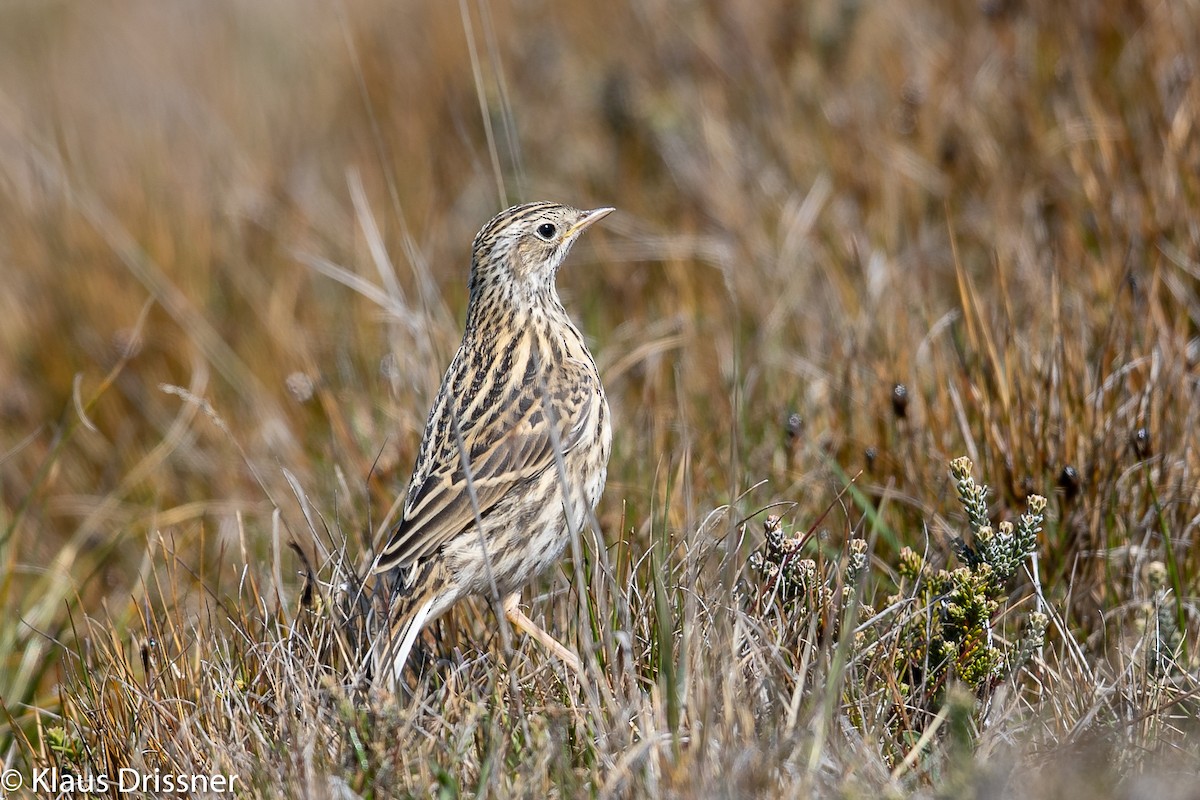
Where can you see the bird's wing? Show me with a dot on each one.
(507, 442)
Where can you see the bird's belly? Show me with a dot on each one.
(525, 536)
(513, 556)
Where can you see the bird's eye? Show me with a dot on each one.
(546, 230)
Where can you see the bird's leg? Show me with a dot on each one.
(521, 622)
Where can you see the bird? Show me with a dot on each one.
(515, 451)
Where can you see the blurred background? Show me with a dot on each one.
(852, 237)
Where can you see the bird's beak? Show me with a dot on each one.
(589, 218)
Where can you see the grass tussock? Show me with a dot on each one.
(870, 258)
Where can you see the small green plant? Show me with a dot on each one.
(1164, 639)
(804, 588)
(945, 616)
(949, 631)
(937, 627)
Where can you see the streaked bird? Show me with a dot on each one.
(515, 450)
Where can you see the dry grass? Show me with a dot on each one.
(855, 241)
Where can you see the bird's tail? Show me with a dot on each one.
(408, 611)
(391, 652)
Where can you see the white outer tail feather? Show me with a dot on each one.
(411, 631)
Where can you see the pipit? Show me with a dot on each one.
(515, 450)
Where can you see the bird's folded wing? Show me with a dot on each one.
(502, 452)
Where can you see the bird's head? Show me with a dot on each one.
(520, 250)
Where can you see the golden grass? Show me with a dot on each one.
(855, 241)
